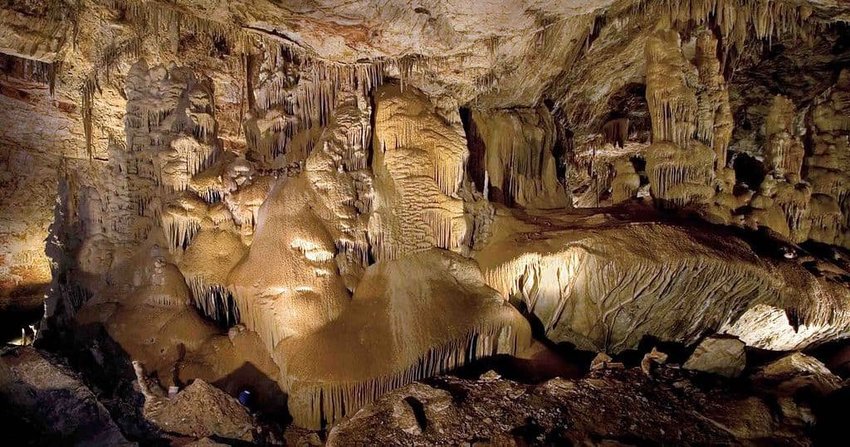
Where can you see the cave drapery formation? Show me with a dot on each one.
(352, 196)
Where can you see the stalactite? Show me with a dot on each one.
(214, 301)
(90, 86)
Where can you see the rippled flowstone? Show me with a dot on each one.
(603, 282)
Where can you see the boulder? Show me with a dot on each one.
(795, 372)
(723, 356)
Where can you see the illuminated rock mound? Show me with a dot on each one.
(413, 317)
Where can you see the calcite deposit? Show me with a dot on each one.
(246, 221)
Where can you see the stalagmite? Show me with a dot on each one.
(626, 181)
(418, 164)
(338, 170)
(714, 114)
(300, 291)
(794, 201)
(616, 131)
(672, 103)
(827, 173)
(784, 150)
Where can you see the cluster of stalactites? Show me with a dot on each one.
(171, 137)
(672, 102)
(31, 70)
(179, 230)
(157, 17)
(714, 114)
(105, 62)
(309, 98)
(680, 176)
(517, 160)
(214, 301)
(313, 99)
(310, 101)
(737, 19)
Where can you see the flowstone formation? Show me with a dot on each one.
(603, 284)
(287, 212)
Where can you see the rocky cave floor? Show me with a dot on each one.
(555, 396)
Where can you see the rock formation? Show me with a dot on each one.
(310, 205)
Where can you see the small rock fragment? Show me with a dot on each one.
(489, 376)
(604, 361)
(599, 361)
(655, 356)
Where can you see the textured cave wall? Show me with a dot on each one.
(29, 185)
(516, 163)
